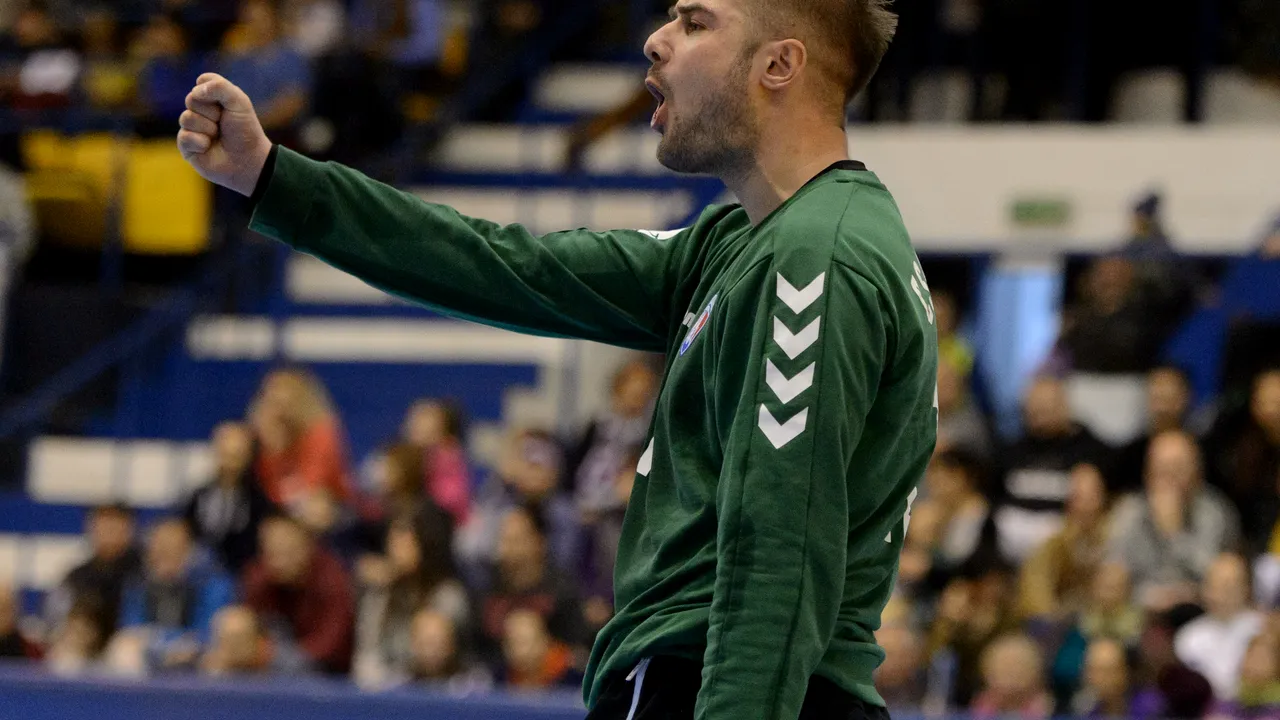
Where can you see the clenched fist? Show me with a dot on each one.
(221, 136)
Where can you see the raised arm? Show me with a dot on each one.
(612, 287)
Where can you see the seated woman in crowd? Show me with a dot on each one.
(417, 572)
(438, 657)
(528, 473)
(303, 461)
(1056, 578)
(434, 428)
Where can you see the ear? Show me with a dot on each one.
(784, 61)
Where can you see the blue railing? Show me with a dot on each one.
(30, 694)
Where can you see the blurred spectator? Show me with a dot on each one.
(1056, 579)
(1248, 466)
(611, 439)
(170, 607)
(524, 579)
(604, 535)
(1108, 615)
(1111, 328)
(416, 573)
(950, 527)
(1215, 643)
(225, 514)
(437, 658)
(1169, 535)
(42, 70)
(100, 580)
(961, 425)
(1105, 693)
(396, 475)
(302, 594)
(1111, 612)
(275, 75)
(1013, 681)
(240, 646)
(78, 640)
(1259, 695)
(1037, 478)
(952, 348)
(1158, 270)
(314, 27)
(902, 678)
(1168, 400)
(435, 428)
(1166, 688)
(534, 660)
(169, 68)
(976, 608)
(206, 21)
(17, 229)
(13, 644)
(110, 82)
(1147, 238)
(303, 459)
(528, 472)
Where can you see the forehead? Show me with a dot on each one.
(719, 9)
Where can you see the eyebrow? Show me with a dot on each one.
(687, 9)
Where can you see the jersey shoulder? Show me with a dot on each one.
(850, 218)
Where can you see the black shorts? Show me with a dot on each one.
(670, 687)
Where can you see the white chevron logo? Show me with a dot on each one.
(798, 300)
(795, 344)
(646, 461)
(782, 433)
(787, 389)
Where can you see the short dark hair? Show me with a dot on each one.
(848, 38)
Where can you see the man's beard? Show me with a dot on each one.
(720, 139)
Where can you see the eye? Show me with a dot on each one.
(691, 26)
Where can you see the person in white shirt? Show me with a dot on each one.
(1215, 643)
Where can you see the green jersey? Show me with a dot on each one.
(796, 415)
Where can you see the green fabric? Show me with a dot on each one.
(764, 528)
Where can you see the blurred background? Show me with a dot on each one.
(237, 483)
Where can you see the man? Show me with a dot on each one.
(1169, 536)
(302, 593)
(1037, 470)
(1168, 401)
(1214, 644)
(99, 582)
(797, 411)
(170, 606)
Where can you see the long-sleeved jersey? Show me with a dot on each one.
(796, 415)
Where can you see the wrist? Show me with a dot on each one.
(257, 166)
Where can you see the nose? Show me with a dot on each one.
(654, 48)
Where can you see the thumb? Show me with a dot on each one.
(213, 88)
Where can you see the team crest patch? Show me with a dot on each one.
(698, 325)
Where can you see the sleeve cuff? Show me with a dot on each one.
(264, 179)
(286, 192)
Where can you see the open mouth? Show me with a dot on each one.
(659, 115)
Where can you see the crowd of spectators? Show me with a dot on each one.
(1059, 574)
(405, 569)
(336, 78)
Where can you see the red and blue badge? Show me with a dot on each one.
(698, 325)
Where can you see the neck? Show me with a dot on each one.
(783, 165)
